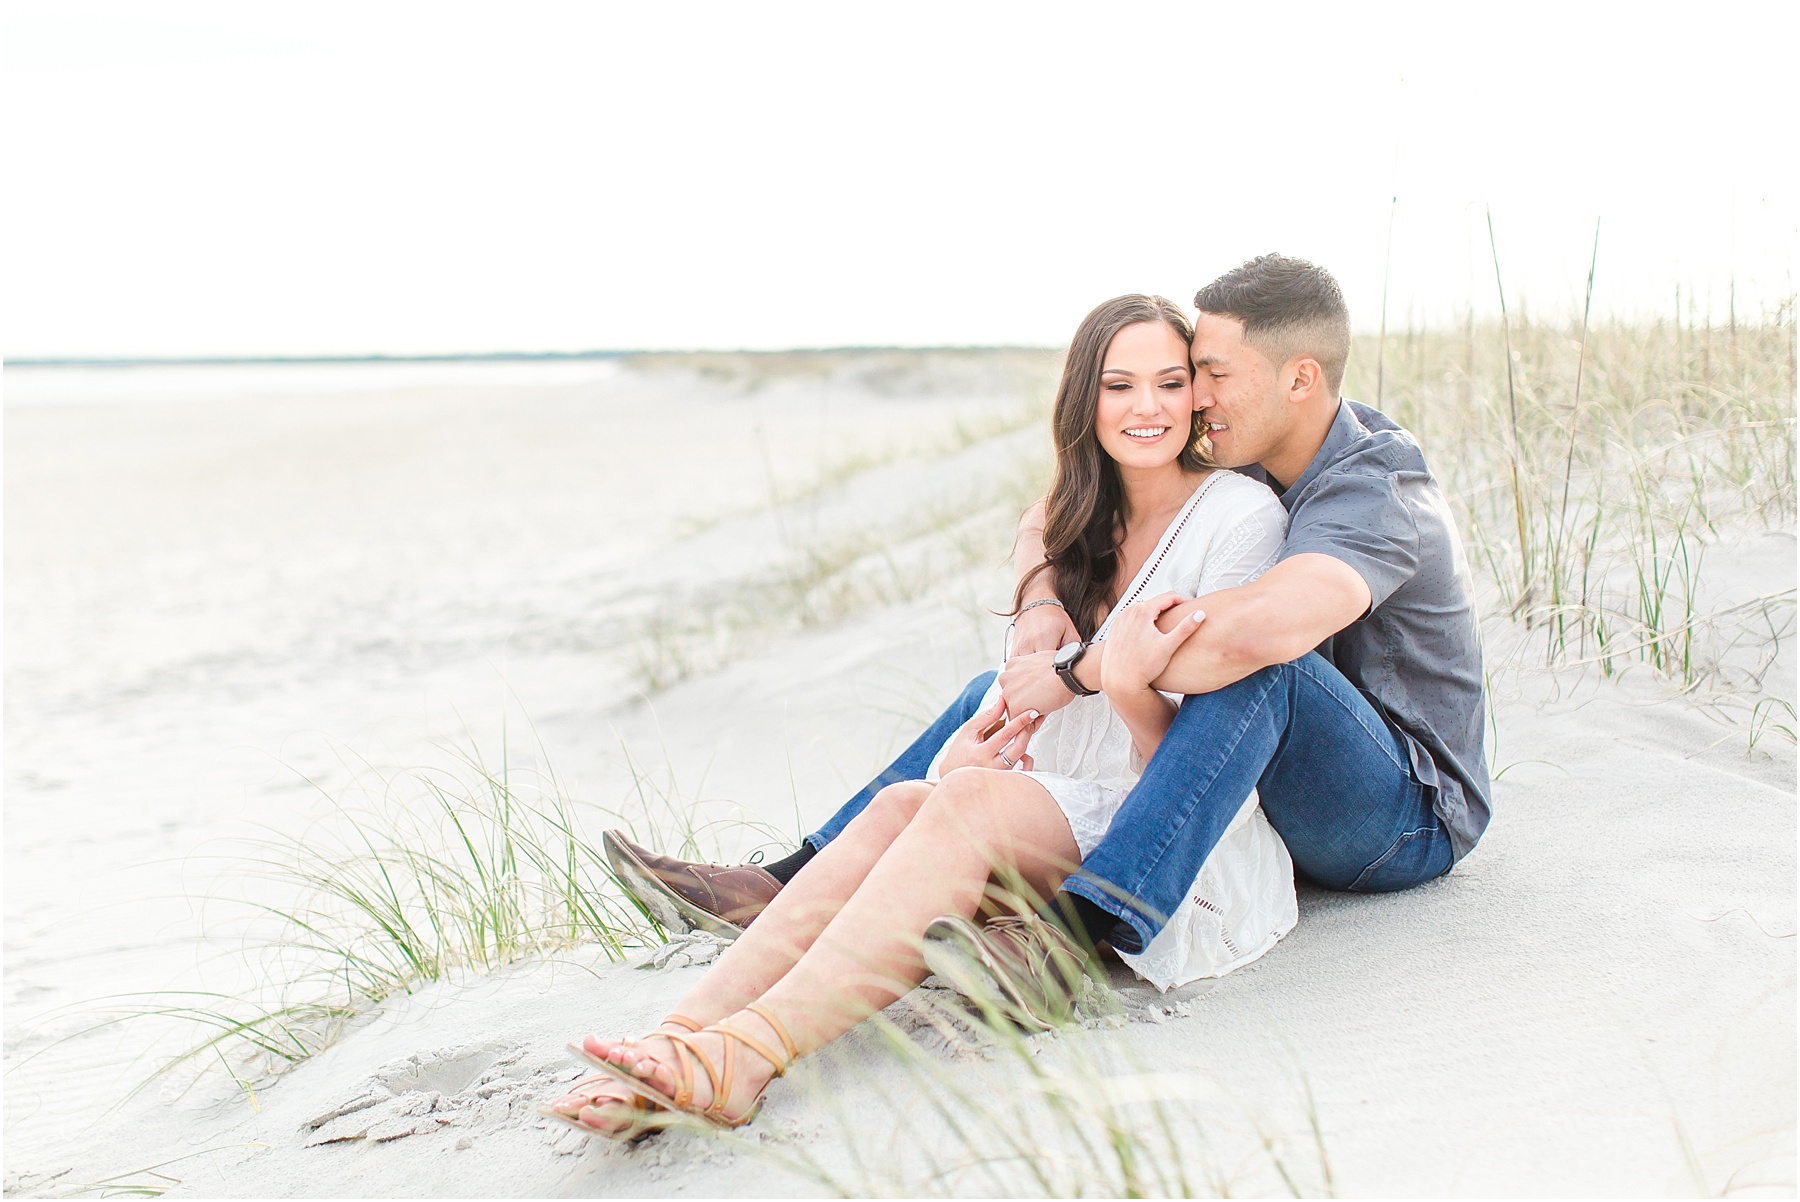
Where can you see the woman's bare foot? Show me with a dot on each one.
(605, 1103)
(656, 1062)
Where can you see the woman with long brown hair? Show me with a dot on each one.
(1136, 520)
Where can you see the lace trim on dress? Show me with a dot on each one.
(1148, 572)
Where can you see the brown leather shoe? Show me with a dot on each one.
(1024, 968)
(685, 895)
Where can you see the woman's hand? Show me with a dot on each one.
(1136, 651)
(1030, 682)
(1044, 628)
(1005, 748)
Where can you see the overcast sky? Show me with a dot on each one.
(233, 179)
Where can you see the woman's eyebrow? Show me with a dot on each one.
(1126, 371)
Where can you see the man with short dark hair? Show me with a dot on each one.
(1344, 685)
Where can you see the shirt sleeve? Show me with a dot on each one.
(1363, 521)
(1247, 549)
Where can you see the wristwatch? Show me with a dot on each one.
(1067, 656)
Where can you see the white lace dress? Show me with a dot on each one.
(1242, 900)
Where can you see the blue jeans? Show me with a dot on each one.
(913, 762)
(1335, 782)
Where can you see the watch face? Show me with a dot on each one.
(1067, 654)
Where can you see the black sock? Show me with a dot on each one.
(784, 869)
(1085, 922)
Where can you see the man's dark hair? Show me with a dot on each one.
(1289, 308)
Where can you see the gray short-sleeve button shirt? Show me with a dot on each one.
(1369, 499)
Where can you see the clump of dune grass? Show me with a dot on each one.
(820, 576)
(404, 879)
(1592, 467)
(884, 371)
(940, 1096)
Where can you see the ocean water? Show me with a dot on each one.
(31, 386)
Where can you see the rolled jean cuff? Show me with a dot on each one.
(1136, 928)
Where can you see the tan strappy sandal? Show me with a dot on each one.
(719, 1078)
(644, 1112)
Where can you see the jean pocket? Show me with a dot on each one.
(1416, 857)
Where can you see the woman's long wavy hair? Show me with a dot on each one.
(1084, 518)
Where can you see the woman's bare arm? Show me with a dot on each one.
(1045, 627)
(1137, 652)
(1146, 714)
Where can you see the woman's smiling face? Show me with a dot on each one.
(1145, 414)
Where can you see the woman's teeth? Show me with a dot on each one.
(1147, 433)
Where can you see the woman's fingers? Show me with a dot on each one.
(1163, 602)
(999, 741)
(1182, 629)
(989, 720)
(1015, 751)
(1026, 764)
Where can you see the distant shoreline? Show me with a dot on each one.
(475, 357)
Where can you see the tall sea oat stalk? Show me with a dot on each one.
(1512, 401)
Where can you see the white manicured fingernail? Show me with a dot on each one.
(1031, 715)
(1199, 615)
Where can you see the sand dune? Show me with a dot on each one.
(206, 596)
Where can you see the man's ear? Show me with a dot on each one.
(1306, 379)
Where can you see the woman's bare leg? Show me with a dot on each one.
(768, 947)
(978, 822)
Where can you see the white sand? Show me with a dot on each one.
(1599, 1001)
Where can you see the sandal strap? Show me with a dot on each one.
(787, 1041)
(719, 1078)
(687, 1052)
(727, 1074)
(683, 1069)
(776, 1060)
(687, 1057)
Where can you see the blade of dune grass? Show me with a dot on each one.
(1512, 401)
(1387, 266)
(1559, 546)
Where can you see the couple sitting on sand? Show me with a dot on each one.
(1211, 670)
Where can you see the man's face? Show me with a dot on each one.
(1238, 393)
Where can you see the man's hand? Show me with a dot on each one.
(1005, 748)
(1030, 682)
(1136, 651)
(1045, 628)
